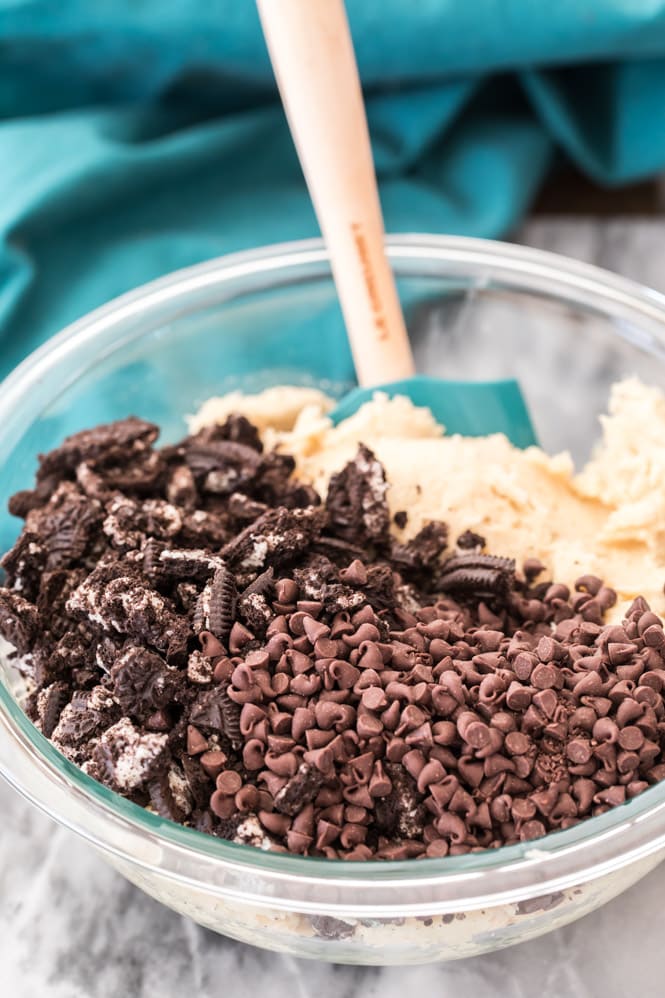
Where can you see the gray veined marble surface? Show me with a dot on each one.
(70, 927)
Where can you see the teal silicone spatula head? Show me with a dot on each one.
(312, 54)
(471, 408)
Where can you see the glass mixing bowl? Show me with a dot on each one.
(475, 310)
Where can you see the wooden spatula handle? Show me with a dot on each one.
(312, 55)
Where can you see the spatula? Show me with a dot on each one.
(314, 62)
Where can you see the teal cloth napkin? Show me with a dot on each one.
(137, 137)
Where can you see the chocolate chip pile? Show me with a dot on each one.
(206, 637)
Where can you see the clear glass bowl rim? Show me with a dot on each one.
(591, 849)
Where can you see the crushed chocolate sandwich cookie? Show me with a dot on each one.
(206, 636)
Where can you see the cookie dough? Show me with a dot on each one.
(608, 519)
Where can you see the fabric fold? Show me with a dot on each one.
(138, 138)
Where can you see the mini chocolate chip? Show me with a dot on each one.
(588, 584)
(355, 574)
(631, 738)
(533, 829)
(545, 677)
(517, 743)
(578, 751)
(213, 763)
(196, 742)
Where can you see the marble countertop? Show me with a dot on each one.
(70, 927)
